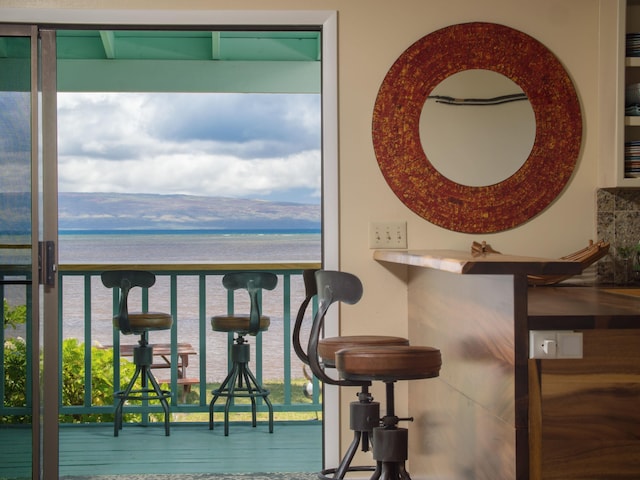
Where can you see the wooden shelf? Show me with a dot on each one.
(629, 23)
(632, 62)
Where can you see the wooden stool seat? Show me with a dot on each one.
(238, 323)
(388, 363)
(146, 322)
(327, 347)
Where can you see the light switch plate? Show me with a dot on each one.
(388, 235)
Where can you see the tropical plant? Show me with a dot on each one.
(15, 363)
(15, 378)
(14, 316)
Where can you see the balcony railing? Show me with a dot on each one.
(192, 293)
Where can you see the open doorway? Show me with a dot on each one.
(324, 21)
(167, 153)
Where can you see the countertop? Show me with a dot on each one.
(576, 307)
(455, 261)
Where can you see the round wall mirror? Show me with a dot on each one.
(468, 205)
(477, 127)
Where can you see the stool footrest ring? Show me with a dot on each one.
(143, 395)
(329, 473)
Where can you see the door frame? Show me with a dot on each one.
(326, 20)
(50, 301)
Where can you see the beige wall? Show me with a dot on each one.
(371, 35)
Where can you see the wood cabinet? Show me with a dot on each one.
(584, 421)
(584, 416)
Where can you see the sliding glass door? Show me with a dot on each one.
(19, 365)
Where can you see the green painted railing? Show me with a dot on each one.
(16, 395)
(192, 293)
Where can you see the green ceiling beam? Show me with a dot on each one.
(108, 43)
(19, 78)
(188, 76)
(215, 45)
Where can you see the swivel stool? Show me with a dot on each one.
(320, 355)
(389, 364)
(241, 382)
(138, 324)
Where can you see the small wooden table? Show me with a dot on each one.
(162, 351)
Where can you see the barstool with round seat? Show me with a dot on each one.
(361, 365)
(389, 365)
(364, 413)
(241, 382)
(138, 324)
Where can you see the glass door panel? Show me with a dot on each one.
(16, 256)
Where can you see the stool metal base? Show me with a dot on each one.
(142, 356)
(390, 450)
(240, 383)
(364, 417)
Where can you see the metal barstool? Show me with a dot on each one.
(138, 324)
(240, 382)
(364, 414)
(389, 365)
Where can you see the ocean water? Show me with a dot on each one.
(168, 247)
(188, 245)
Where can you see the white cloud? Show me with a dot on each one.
(258, 146)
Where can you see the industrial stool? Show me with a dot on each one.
(138, 324)
(389, 364)
(365, 413)
(240, 382)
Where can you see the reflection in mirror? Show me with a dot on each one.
(471, 134)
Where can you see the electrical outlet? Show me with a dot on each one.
(388, 235)
(555, 344)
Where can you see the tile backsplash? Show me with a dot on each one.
(618, 212)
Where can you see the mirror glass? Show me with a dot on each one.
(477, 127)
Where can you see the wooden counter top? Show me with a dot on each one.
(488, 264)
(578, 307)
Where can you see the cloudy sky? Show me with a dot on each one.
(262, 146)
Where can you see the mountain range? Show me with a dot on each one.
(118, 211)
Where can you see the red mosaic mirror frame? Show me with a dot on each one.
(396, 127)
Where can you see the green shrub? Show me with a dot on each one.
(15, 364)
(73, 380)
(73, 384)
(15, 378)
(14, 316)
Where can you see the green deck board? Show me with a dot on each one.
(191, 448)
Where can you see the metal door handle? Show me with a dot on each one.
(47, 263)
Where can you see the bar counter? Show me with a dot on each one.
(495, 413)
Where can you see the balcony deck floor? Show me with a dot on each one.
(191, 448)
